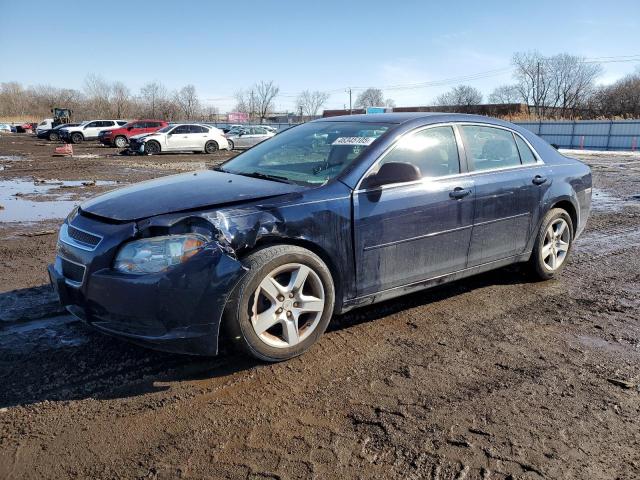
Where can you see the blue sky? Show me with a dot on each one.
(221, 47)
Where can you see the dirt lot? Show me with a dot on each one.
(491, 377)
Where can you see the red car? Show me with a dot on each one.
(119, 137)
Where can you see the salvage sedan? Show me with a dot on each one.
(324, 217)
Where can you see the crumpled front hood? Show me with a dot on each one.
(188, 191)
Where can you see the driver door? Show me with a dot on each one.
(179, 138)
(409, 232)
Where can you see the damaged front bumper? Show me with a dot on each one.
(179, 310)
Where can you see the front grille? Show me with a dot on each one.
(83, 237)
(72, 271)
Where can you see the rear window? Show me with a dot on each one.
(526, 155)
(490, 148)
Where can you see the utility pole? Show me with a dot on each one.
(349, 90)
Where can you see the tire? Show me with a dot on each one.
(554, 242)
(152, 148)
(54, 137)
(211, 147)
(231, 145)
(120, 141)
(77, 137)
(288, 329)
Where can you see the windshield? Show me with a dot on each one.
(312, 153)
(165, 129)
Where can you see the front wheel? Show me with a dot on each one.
(231, 145)
(120, 142)
(54, 137)
(553, 244)
(282, 305)
(152, 148)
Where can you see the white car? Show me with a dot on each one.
(5, 127)
(88, 130)
(45, 125)
(183, 137)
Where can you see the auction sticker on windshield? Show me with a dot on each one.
(353, 141)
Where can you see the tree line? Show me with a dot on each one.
(557, 86)
(100, 98)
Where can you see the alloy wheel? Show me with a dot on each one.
(556, 244)
(287, 305)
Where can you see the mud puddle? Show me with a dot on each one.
(28, 201)
(603, 201)
(46, 334)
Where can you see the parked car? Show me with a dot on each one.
(247, 137)
(45, 125)
(184, 137)
(278, 239)
(53, 134)
(88, 130)
(5, 127)
(119, 137)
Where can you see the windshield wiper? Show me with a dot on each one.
(264, 176)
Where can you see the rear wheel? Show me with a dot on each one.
(152, 147)
(282, 305)
(77, 137)
(120, 141)
(211, 147)
(553, 244)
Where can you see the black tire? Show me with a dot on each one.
(537, 265)
(77, 137)
(54, 137)
(231, 145)
(211, 147)
(152, 147)
(237, 316)
(120, 141)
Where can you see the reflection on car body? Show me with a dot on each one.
(322, 218)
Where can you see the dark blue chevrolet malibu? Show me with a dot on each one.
(324, 217)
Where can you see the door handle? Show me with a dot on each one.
(539, 180)
(459, 192)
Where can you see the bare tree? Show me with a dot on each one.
(310, 102)
(462, 95)
(121, 99)
(620, 99)
(265, 93)
(152, 96)
(505, 94)
(572, 82)
(390, 103)
(371, 97)
(556, 84)
(246, 102)
(188, 101)
(13, 101)
(99, 94)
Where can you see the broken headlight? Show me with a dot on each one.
(156, 254)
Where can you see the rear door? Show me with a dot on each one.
(405, 233)
(507, 192)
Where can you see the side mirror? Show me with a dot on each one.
(393, 172)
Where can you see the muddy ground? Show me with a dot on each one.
(491, 377)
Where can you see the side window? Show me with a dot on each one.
(91, 125)
(108, 123)
(181, 129)
(261, 131)
(526, 155)
(433, 150)
(490, 148)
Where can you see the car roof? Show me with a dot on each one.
(404, 117)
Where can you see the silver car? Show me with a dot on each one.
(247, 137)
